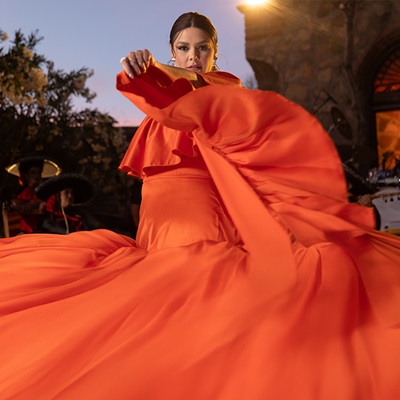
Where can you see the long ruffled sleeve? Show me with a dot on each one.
(282, 150)
(282, 162)
(155, 144)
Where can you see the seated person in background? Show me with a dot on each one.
(63, 195)
(29, 171)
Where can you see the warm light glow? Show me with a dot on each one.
(256, 2)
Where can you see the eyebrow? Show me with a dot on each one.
(186, 43)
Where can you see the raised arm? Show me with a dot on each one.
(137, 62)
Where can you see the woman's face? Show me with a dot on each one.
(194, 50)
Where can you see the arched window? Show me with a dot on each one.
(387, 107)
(379, 81)
(388, 77)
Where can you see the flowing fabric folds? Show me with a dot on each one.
(283, 155)
(252, 277)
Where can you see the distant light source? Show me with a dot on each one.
(256, 2)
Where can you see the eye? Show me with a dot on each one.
(204, 47)
(183, 48)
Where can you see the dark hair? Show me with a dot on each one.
(25, 164)
(194, 20)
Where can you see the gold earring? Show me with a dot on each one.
(215, 66)
(172, 62)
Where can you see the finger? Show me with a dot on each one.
(142, 59)
(127, 67)
(134, 62)
(146, 57)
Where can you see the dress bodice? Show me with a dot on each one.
(185, 194)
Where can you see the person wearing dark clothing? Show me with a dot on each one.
(64, 196)
(30, 171)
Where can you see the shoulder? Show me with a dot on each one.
(220, 78)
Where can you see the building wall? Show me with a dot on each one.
(298, 48)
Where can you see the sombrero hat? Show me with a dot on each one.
(82, 186)
(49, 166)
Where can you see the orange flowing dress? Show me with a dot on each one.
(252, 276)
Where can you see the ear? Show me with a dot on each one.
(216, 51)
(172, 51)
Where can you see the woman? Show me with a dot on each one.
(252, 276)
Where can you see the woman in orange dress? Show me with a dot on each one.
(252, 276)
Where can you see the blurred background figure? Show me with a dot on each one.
(66, 196)
(24, 212)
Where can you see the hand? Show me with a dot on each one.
(137, 62)
(365, 200)
(42, 207)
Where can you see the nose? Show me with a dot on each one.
(194, 54)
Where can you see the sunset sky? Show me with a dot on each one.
(97, 33)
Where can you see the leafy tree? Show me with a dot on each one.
(37, 117)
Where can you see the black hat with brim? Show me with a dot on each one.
(82, 187)
(49, 167)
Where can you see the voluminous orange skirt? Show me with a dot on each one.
(252, 277)
(90, 315)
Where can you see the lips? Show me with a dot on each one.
(196, 68)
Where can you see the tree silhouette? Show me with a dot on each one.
(37, 117)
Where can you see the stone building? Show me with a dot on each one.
(339, 59)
